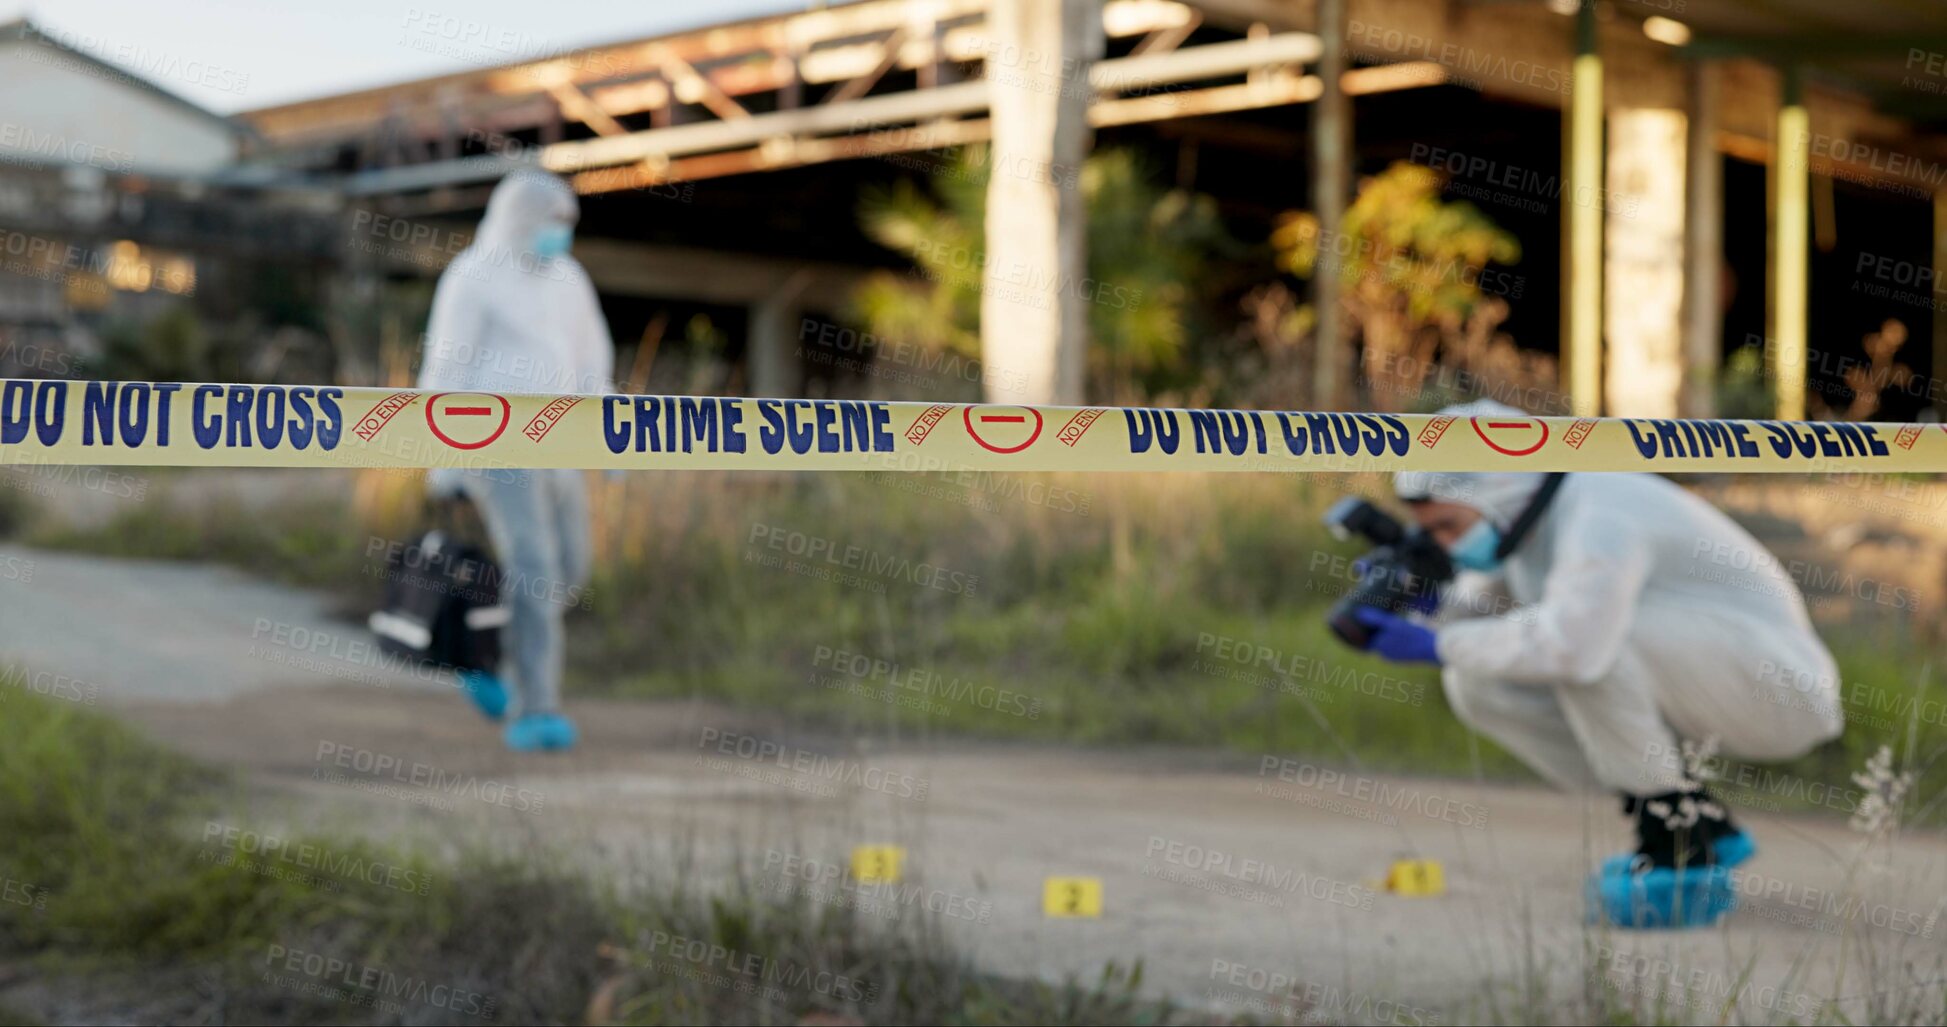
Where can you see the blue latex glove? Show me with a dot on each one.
(1396, 638)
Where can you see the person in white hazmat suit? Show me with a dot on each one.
(514, 313)
(1640, 617)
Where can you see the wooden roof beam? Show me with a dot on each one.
(888, 60)
(693, 87)
(750, 51)
(1273, 92)
(575, 104)
(1120, 75)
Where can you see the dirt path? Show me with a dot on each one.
(1237, 885)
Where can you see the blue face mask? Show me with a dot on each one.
(553, 240)
(1475, 548)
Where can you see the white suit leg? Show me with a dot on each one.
(1681, 674)
(520, 519)
(1764, 691)
(1606, 736)
(1525, 720)
(1619, 723)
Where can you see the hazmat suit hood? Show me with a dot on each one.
(1500, 496)
(522, 203)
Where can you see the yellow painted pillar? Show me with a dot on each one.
(1331, 142)
(1584, 211)
(1703, 246)
(1940, 309)
(1791, 251)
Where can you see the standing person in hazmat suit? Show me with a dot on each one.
(1642, 618)
(515, 313)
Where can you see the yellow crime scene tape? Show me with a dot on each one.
(208, 425)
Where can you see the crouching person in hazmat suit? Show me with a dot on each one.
(514, 313)
(1642, 618)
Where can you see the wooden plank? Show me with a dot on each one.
(576, 104)
(888, 60)
(1191, 103)
(693, 87)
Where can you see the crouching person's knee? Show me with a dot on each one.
(1472, 699)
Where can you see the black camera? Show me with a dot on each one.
(1404, 570)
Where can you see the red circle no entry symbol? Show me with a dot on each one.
(467, 420)
(1003, 429)
(1509, 435)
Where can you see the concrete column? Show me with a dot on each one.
(772, 346)
(1643, 247)
(1034, 304)
(1703, 247)
(1331, 159)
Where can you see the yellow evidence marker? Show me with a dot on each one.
(1071, 897)
(1420, 877)
(873, 864)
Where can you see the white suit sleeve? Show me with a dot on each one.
(594, 349)
(453, 332)
(1575, 634)
(1471, 595)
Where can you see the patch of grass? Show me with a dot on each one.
(300, 543)
(106, 878)
(1178, 611)
(100, 849)
(789, 960)
(17, 506)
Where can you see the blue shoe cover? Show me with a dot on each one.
(538, 732)
(1732, 850)
(1662, 896)
(489, 695)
